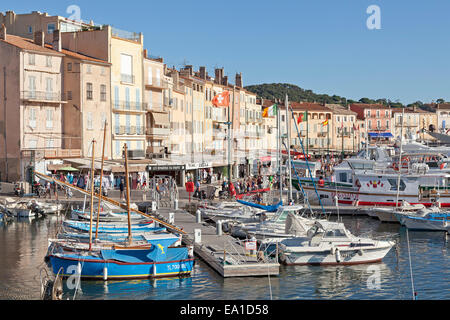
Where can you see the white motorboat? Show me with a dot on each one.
(387, 214)
(288, 222)
(431, 219)
(330, 243)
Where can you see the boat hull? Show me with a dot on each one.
(419, 223)
(325, 258)
(94, 269)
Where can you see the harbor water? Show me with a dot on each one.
(23, 245)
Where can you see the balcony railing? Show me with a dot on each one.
(157, 83)
(127, 78)
(129, 106)
(128, 130)
(406, 124)
(158, 131)
(155, 150)
(168, 102)
(155, 106)
(62, 153)
(133, 36)
(42, 96)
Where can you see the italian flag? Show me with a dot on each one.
(270, 111)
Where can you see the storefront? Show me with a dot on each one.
(199, 171)
(177, 172)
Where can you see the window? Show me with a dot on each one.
(128, 124)
(138, 124)
(378, 124)
(103, 71)
(149, 75)
(102, 92)
(378, 113)
(118, 151)
(49, 61)
(49, 88)
(49, 143)
(89, 69)
(158, 77)
(69, 66)
(116, 124)
(89, 91)
(69, 95)
(31, 59)
(368, 113)
(50, 28)
(394, 185)
(127, 98)
(49, 122)
(32, 87)
(32, 118)
(89, 121)
(138, 99)
(126, 68)
(32, 144)
(30, 29)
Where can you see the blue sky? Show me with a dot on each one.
(321, 45)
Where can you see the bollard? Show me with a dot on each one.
(198, 216)
(153, 206)
(219, 227)
(191, 251)
(175, 204)
(171, 217)
(198, 236)
(144, 197)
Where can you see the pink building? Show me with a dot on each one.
(376, 117)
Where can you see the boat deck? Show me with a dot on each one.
(215, 249)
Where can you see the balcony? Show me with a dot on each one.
(406, 124)
(127, 35)
(62, 153)
(42, 96)
(158, 132)
(129, 106)
(156, 83)
(322, 134)
(168, 102)
(155, 106)
(127, 78)
(129, 131)
(156, 150)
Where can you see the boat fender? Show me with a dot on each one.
(360, 252)
(105, 273)
(338, 255)
(332, 251)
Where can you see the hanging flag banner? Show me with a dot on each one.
(222, 99)
(270, 111)
(325, 123)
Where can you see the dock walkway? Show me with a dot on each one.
(215, 249)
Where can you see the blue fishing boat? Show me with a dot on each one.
(159, 260)
(272, 208)
(113, 228)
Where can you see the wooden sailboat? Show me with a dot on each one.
(125, 261)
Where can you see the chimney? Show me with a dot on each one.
(203, 73)
(145, 53)
(239, 80)
(3, 32)
(57, 44)
(39, 38)
(218, 76)
(189, 68)
(225, 81)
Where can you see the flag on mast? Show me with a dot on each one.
(222, 99)
(302, 117)
(270, 111)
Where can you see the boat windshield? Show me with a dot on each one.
(338, 233)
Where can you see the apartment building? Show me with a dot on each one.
(377, 118)
(158, 98)
(31, 106)
(343, 129)
(410, 123)
(124, 51)
(25, 25)
(88, 109)
(316, 136)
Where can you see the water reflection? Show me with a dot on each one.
(23, 245)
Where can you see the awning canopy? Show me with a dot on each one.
(161, 118)
(380, 135)
(131, 169)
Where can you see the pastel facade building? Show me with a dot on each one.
(31, 106)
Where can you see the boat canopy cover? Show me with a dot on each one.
(157, 253)
(272, 208)
(380, 135)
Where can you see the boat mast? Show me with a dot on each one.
(400, 157)
(92, 195)
(280, 158)
(101, 181)
(288, 129)
(128, 193)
